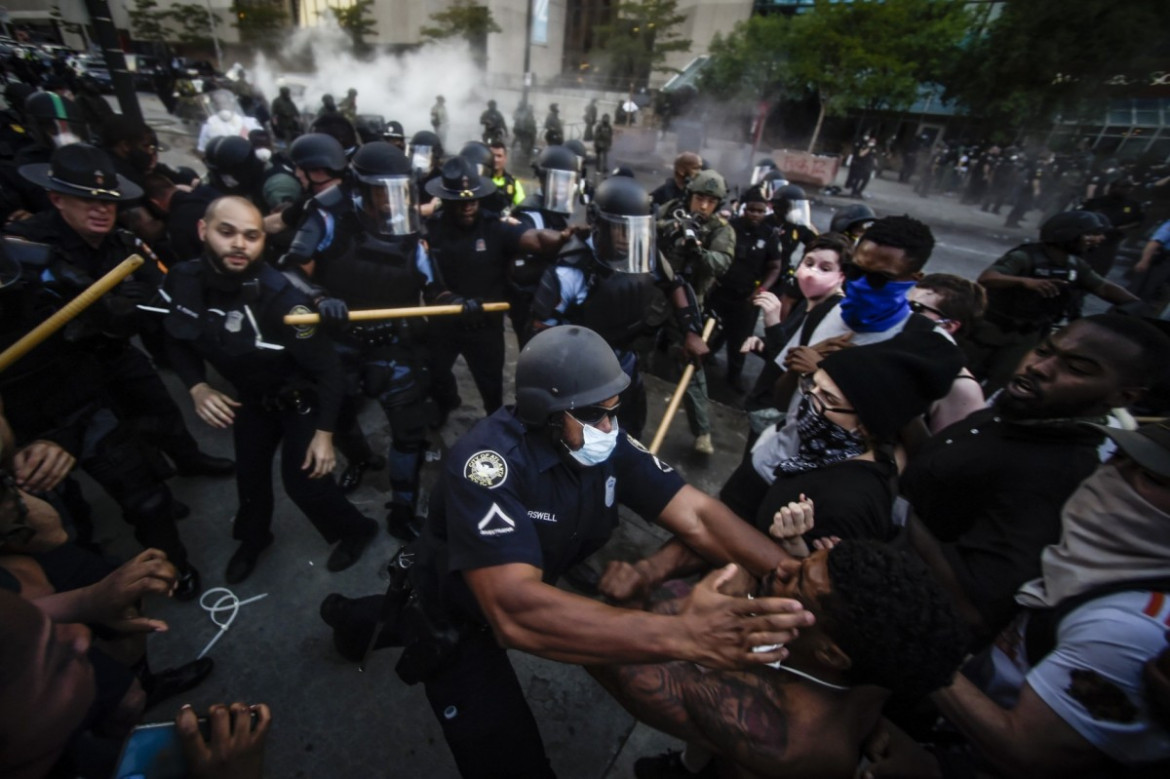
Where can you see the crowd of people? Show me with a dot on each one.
(943, 552)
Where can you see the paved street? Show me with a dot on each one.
(331, 721)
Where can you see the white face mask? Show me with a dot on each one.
(264, 155)
(598, 446)
(225, 115)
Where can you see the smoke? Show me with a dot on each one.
(399, 87)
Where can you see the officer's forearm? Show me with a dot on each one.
(992, 279)
(543, 241)
(710, 528)
(1116, 294)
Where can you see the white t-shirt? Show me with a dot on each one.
(1101, 648)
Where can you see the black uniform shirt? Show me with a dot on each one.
(213, 321)
(473, 261)
(508, 496)
(756, 247)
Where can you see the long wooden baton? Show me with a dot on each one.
(41, 332)
(679, 391)
(393, 313)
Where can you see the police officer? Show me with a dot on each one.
(757, 265)
(494, 126)
(473, 250)
(554, 128)
(791, 220)
(1030, 289)
(384, 264)
(439, 121)
(852, 222)
(699, 244)
(286, 117)
(480, 155)
(234, 169)
(227, 308)
(548, 208)
(426, 155)
(615, 286)
(509, 191)
(50, 122)
(321, 166)
(394, 135)
(525, 495)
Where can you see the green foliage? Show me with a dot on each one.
(356, 21)
(147, 21)
(194, 23)
(749, 62)
(639, 36)
(1041, 58)
(259, 20)
(465, 19)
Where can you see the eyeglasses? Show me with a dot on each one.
(855, 272)
(810, 390)
(922, 308)
(593, 415)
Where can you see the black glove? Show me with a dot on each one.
(136, 291)
(333, 311)
(473, 312)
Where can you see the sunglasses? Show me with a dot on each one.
(810, 390)
(856, 272)
(922, 308)
(593, 415)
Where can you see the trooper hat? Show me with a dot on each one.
(458, 180)
(82, 170)
(393, 130)
(1148, 446)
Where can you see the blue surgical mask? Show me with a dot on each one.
(869, 310)
(598, 446)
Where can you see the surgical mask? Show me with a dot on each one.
(866, 309)
(264, 155)
(225, 115)
(598, 446)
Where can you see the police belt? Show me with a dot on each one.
(376, 334)
(292, 399)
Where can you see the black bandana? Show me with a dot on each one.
(822, 442)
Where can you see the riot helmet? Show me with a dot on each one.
(15, 94)
(790, 204)
(54, 121)
(479, 154)
(771, 182)
(556, 169)
(562, 369)
(233, 164)
(317, 151)
(369, 127)
(761, 169)
(853, 220)
(385, 195)
(1066, 228)
(622, 218)
(425, 150)
(340, 128)
(578, 148)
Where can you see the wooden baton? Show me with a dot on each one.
(393, 313)
(87, 298)
(676, 398)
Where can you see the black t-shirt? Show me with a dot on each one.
(506, 495)
(852, 499)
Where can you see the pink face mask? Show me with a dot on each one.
(814, 280)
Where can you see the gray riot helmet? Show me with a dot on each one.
(622, 218)
(772, 181)
(565, 368)
(385, 193)
(556, 168)
(425, 150)
(790, 204)
(318, 151)
(853, 220)
(578, 148)
(480, 155)
(762, 169)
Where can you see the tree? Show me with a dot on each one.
(195, 23)
(259, 20)
(750, 62)
(639, 36)
(147, 21)
(356, 21)
(1042, 58)
(465, 19)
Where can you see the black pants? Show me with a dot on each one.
(482, 348)
(257, 434)
(486, 721)
(141, 398)
(739, 321)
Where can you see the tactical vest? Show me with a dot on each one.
(620, 307)
(1017, 308)
(373, 273)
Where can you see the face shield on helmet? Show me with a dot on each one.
(62, 132)
(559, 190)
(798, 213)
(387, 204)
(759, 173)
(625, 243)
(420, 158)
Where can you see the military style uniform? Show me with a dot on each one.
(507, 495)
(289, 382)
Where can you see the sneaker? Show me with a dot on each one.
(402, 523)
(669, 765)
(349, 550)
(703, 444)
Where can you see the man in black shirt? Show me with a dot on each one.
(686, 165)
(227, 307)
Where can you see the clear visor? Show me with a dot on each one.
(625, 243)
(560, 190)
(759, 172)
(798, 213)
(389, 205)
(420, 158)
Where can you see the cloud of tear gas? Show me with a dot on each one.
(396, 87)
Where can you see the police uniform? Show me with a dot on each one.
(526, 270)
(509, 193)
(508, 495)
(472, 262)
(286, 394)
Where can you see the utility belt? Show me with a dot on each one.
(302, 401)
(379, 334)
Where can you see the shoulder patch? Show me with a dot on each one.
(486, 468)
(303, 331)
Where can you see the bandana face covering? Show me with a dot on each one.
(869, 310)
(822, 442)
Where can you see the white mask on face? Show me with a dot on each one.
(225, 115)
(598, 446)
(264, 155)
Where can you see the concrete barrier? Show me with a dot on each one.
(805, 168)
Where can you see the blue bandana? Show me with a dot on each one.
(869, 310)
